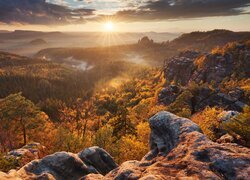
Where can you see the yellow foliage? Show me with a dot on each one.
(208, 120)
(131, 149)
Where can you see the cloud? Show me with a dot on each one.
(78, 11)
(181, 9)
(40, 12)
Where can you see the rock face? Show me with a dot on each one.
(191, 66)
(179, 69)
(209, 97)
(203, 97)
(230, 63)
(169, 94)
(179, 150)
(65, 165)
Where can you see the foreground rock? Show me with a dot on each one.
(65, 165)
(179, 150)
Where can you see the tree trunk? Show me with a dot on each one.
(24, 132)
(24, 136)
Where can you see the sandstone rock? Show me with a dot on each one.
(98, 158)
(227, 138)
(169, 94)
(203, 97)
(93, 176)
(236, 93)
(166, 129)
(191, 66)
(179, 70)
(28, 153)
(65, 165)
(180, 151)
(226, 116)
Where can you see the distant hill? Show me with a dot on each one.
(8, 59)
(4, 31)
(38, 42)
(205, 41)
(152, 52)
(18, 34)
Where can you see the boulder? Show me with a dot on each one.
(66, 165)
(226, 116)
(227, 138)
(27, 153)
(98, 158)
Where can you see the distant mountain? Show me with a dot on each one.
(4, 31)
(18, 34)
(205, 41)
(8, 59)
(38, 42)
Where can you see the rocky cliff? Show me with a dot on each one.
(231, 61)
(178, 150)
(210, 72)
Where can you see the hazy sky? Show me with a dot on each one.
(126, 15)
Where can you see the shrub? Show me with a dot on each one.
(209, 122)
(7, 164)
(240, 125)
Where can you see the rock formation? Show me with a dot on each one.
(145, 41)
(65, 165)
(191, 66)
(27, 153)
(178, 150)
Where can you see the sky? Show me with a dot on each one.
(126, 15)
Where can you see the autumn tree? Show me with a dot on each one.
(122, 124)
(104, 138)
(20, 116)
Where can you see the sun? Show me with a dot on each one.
(109, 26)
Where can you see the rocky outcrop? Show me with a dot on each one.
(203, 97)
(65, 165)
(190, 66)
(180, 69)
(169, 94)
(179, 150)
(206, 96)
(27, 153)
(145, 41)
